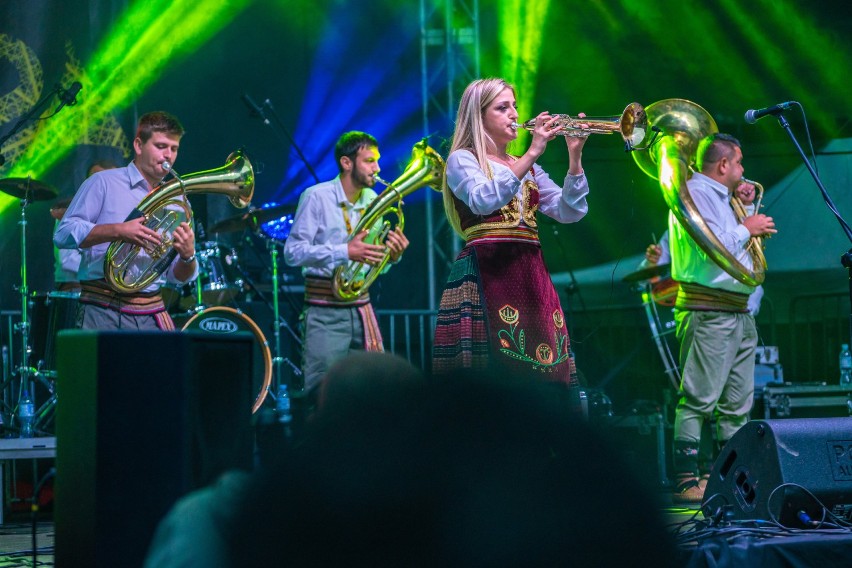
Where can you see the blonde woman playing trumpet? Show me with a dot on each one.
(499, 306)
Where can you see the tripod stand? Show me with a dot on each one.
(28, 190)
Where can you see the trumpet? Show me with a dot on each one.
(632, 125)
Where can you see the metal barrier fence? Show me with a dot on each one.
(819, 324)
(615, 350)
(409, 334)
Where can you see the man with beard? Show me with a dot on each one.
(320, 241)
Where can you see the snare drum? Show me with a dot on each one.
(50, 313)
(224, 320)
(218, 272)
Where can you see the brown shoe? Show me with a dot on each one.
(688, 492)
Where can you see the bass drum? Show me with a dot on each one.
(223, 320)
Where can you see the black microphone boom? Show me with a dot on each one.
(752, 116)
(69, 96)
(254, 108)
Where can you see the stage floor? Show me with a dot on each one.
(721, 547)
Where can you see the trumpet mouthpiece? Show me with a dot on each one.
(166, 166)
(514, 126)
(380, 180)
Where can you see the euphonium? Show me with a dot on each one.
(683, 124)
(425, 168)
(755, 244)
(164, 208)
(632, 124)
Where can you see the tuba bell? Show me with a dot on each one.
(682, 125)
(426, 167)
(164, 209)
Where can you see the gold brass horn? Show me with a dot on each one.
(632, 124)
(682, 125)
(426, 167)
(755, 244)
(164, 209)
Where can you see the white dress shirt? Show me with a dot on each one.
(467, 181)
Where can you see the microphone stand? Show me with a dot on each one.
(845, 258)
(267, 103)
(35, 110)
(282, 129)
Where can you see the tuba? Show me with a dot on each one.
(164, 209)
(682, 125)
(426, 167)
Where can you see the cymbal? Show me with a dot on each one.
(252, 220)
(237, 223)
(646, 273)
(26, 188)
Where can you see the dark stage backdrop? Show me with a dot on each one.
(332, 65)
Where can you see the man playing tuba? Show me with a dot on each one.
(717, 333)
(98, 215)
(320, 241)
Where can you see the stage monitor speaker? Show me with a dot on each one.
(143, 418)
(784, 470)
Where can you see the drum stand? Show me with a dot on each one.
(277, 359)
(24, 371)
(278, 322)
(659, 332)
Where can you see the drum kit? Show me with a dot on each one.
(205, 305)
(659, 289)
(202, 306)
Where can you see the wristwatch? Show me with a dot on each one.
(189, 260)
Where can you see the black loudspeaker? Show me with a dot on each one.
(143, 418)
(778, 469)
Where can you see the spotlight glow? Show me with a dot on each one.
(521, 24)
(149, 35)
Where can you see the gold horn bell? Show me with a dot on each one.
(164, 209)
(426, 167)
(682, 125)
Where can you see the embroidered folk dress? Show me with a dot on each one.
(499, 305)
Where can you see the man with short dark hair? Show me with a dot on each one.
(716, 331)
(97, 216)
(319, 242)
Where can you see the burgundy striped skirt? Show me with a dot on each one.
(499, 309)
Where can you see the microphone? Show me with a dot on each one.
(254, 108)
(69, 96)
(752, 116)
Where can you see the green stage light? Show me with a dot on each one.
(771, 37)
(694, 36)
(521, 23)
(149, 35)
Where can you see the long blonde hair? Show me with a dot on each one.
(470, 133)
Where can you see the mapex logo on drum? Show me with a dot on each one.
(218, 325)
